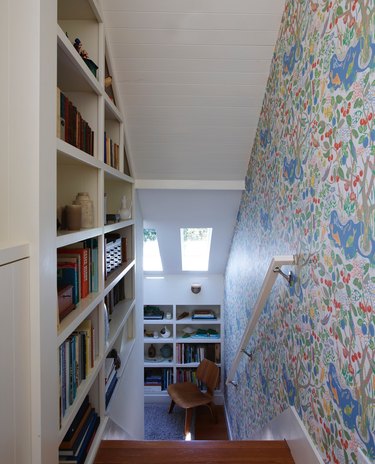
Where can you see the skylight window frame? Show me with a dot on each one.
(158, 267)
(186, 260)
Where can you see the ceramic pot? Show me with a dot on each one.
(87, 218)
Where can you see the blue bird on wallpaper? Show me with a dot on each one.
(346, 236)
(265, 137)
(344, 72)
(350, 407)
(248, 184)
(290, 168)
(264, 383)
(290, 60)
(289, 387)
(265, 220)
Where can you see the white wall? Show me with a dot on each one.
(176, 289)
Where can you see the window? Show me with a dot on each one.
(195, 248)
(151, 252)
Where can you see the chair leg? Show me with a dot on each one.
(188, 417)
(171, 406)
(212, 408)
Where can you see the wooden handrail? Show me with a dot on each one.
(273, 271)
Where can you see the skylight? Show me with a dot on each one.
(195, 248)
(151, 252)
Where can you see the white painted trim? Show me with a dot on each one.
(190, 184)
(288, 426)
(13, 252)
(229, 430)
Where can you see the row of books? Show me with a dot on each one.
(114, 297)
(70, 125)
(77, 265)
(189, 353)
(76, 359)
(186, 375)
(157, 379)
(77, 441)
(111, 152)
(110, 379)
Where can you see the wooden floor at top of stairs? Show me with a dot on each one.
(194, 452)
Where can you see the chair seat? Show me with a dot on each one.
(188, 395)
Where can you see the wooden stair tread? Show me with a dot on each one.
(197, 452)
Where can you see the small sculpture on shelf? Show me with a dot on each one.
(85, 56)
(151, 351)
(165, 332)
(124, 211)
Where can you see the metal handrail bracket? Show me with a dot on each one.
(273, 271)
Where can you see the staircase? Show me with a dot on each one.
(193, 452)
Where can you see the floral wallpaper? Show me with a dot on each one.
(310, 192)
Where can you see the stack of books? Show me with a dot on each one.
(77, 441)
(153, 312)
(77, 265)
(110, 379)
(203, 314)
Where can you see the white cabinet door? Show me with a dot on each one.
(15, 399)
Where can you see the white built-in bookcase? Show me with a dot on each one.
(77, 171)
(172, 295)
(40, 172)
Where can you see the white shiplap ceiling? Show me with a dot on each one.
(191, 76)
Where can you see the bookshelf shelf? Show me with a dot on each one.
(118, 225)
(111, 110)
(118, 320)
(83, 309)
(73, 74)
(68, 154)
(117, 275)
(66, 237)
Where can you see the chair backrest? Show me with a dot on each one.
(208, 373)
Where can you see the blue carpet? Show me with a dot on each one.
(159, 425)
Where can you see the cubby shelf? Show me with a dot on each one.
(211, 346)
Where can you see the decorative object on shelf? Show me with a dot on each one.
(85, 56)
(107, 81)
(182, 315)
(83, 199)
(156, 334)
(152, 312)
(196, 288)
(112, 218)
(113, 252)
(166, 351)
(151, 351)
(124, 211)
(117, 360)
(73, 217)
(168, 316)
(188, 332)
(165, 332)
